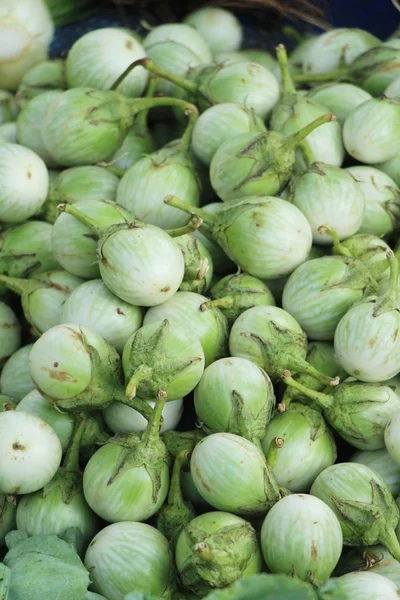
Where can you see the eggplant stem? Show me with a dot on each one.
(338, 247)
(389, 539)
(15, 284)
(175, 495)
(194, 224)
(225, 302)
(323, 400)
(322, 77)
(142, 373)
(272, 453)
(188, 208)
(151, 66)
(71, 461)
(393, 287)
(73, 211)
(295, 138)
(287, 82)
(152, 432)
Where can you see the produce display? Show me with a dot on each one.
(199, 312)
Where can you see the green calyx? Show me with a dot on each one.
(176, 513)
(198, 264)
(234, 294)
(177, 442)
(371, 523)
(69, 477)
(320, 355)
(105, 385)
(151, 369)
(389, 300)
(217, 558)
(143, 450)
(26, 287)
(284, 351)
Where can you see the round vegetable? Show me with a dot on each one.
(219, 27)
(301, 537)
(24, 183)
(214, 550)
(93, 305)
(127, 557)
(31, 453)
(234, 395)
(112, 48)
(298, 446)
(232, 475)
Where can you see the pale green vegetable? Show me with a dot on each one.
(328, 195)
(371, 132)
(24, 183)
(232, 475)
(10, 332)
(382, 200)
(29, 125)
(46, 76)
(219, 27)
(382, 463)
(301, 537)
(214, 550)
(183, 309)
(220, 123)
(360, 586)
(31, 450)
(161, 360)
(332, 48)
(363, 504)
(92, 304)
(43, 296)
(298, 446)
(124, 419)
(15, 378)
(8, 508)
(127, 557)
(112, 48)
(25, 250)
(236, 396)
(339, 98)
(26, 29)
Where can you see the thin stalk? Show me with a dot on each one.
(16, 284)
(287, 81)
(71, 461)
(293, 34)
(295, 138)
(152, 433)
(151, 66)
(193, 225)
(88, 221)
(393, 287)
(142, 373)
(338, 247)
(272, 454)
(389, 539)
(141, 119)
(203, 269)
(141, 406)
(302, 366)
(322, 77)
(323, 400)
(225, 302)
(175, 491)
(188, 208)
(307, 153)
(186, 139)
